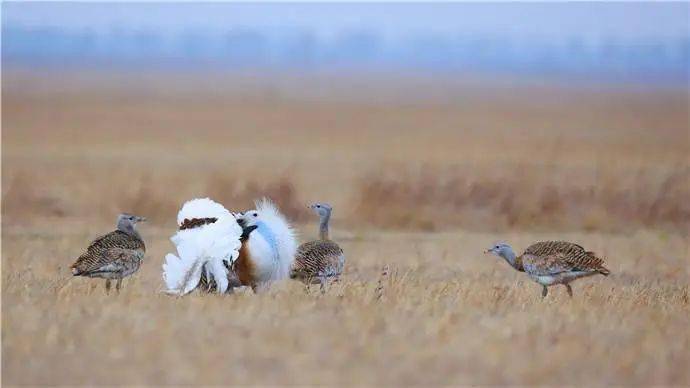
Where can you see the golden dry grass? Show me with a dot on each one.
(416, 186)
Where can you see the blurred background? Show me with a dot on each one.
(537, 115)
(634, 42)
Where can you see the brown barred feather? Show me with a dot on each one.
(519, 264)
(565, 255)
(209, 284)
(114, 255)
(196, 222)
(320, 258)
(206, 284)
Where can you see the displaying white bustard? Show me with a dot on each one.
(208, 242)
(218, 250)
(269, 251)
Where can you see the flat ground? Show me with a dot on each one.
(423, 175)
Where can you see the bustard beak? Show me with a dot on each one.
(141, 219)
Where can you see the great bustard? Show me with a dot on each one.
(316, 261)
(115, 255)
(269, 251)
(208, 242)
(553, 262)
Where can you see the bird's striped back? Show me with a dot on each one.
(320, 258)
(97, 254)
(569, 254)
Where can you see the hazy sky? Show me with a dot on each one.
(555, 20)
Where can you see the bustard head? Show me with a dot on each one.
(501, 249)
(127, 222)
(247, 218)
(322, 209)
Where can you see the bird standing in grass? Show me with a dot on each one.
(322, 259)
(115, 255)
(269, 251)
(208, 242)
(553, 262)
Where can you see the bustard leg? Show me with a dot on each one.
(107, 286)
(544, 291)
(569, 289)
(322, 280)
(118, 285)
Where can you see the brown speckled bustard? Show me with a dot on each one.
(319, 260)
(115, 255)
(553, 262)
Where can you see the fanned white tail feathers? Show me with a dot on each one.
(201, 208)
(286, 238)
(203, 248)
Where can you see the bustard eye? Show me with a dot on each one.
(319, 206)
(255, 214)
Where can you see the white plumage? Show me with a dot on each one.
(203, 247)
(201, 208)
(272, 246)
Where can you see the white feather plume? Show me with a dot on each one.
(285, 234)
(201, 208)
(204, 247)
(273, 258)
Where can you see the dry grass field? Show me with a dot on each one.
(423, 176)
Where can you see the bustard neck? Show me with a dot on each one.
(128, 228)
(323, 226)
(509, 255)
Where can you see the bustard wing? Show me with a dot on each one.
(546, 264)
(553, 257)
(182, 272)
(587, 261)
(207, 251)
(544, 248)
(317, 258)
(107, 260)
(115, 239)
(112, 250)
